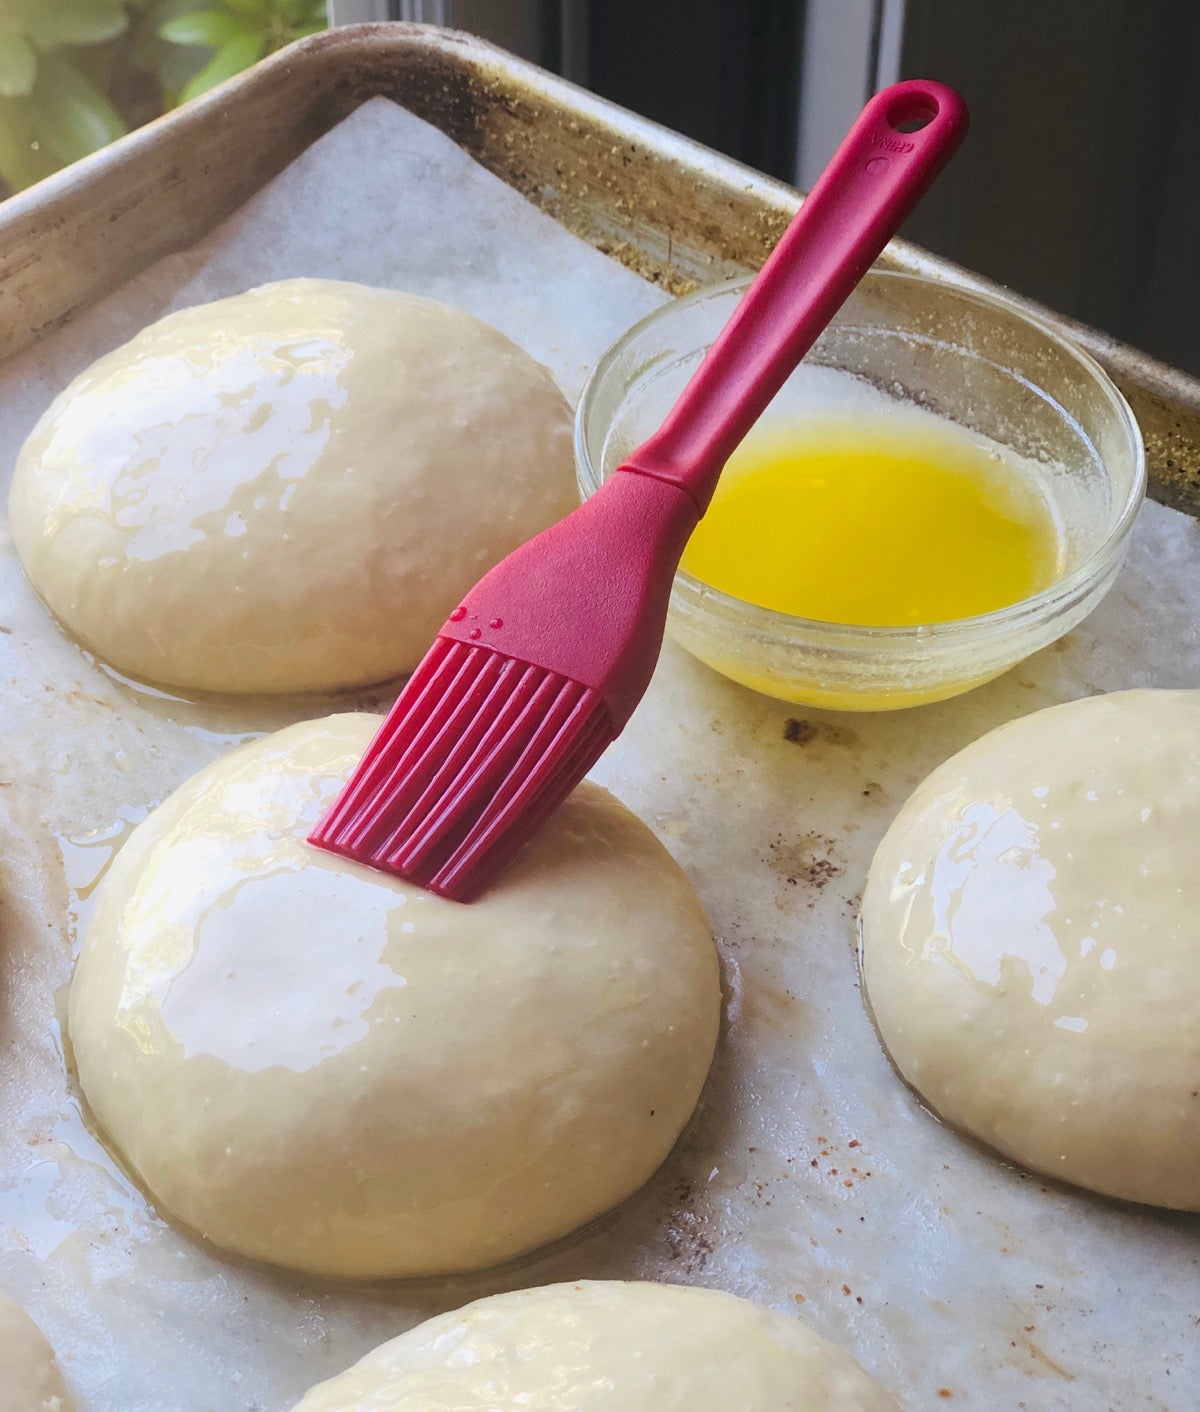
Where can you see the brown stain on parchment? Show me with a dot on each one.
(688, 1235)
(808, 863)
(1033, 1359)
(803, 732)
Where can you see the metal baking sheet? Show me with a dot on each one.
(662, 204)
(811, 1179)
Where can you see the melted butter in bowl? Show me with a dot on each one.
(942, 488)
(884, 520)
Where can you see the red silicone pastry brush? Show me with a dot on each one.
(541, 665)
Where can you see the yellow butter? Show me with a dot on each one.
(875, 520)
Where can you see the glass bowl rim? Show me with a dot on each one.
(771, 622)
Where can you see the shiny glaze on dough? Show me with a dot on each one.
(605, 1346)
(1031, 943)
(318, 1065)
(290, 489)
(29, 1377)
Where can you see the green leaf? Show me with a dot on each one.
(171, 64)
(18, 66)
(305, 12)
(17, 13)
(206, 29)
(314, 13)
(59, 22)
(23, 160)
(259, 10)
(177, 68)
(71, 115)
(231, 59)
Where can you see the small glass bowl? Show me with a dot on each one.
(968, 357)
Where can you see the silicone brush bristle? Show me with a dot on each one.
(477, 752)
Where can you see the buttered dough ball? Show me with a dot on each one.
(605, 1346)
(288, 490)
(1031, 943)
(29, 1377)
(319, 1065)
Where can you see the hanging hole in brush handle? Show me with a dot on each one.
(899, 143)
(911, 111)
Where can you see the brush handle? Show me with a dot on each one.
(874, 180)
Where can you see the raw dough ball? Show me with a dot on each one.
(1031, 943)
(29, 1376)
(318, 1065)
(288, 490)
(605, 1346)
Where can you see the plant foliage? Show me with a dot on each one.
(76, 74)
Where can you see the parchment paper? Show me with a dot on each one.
(811, 1179)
